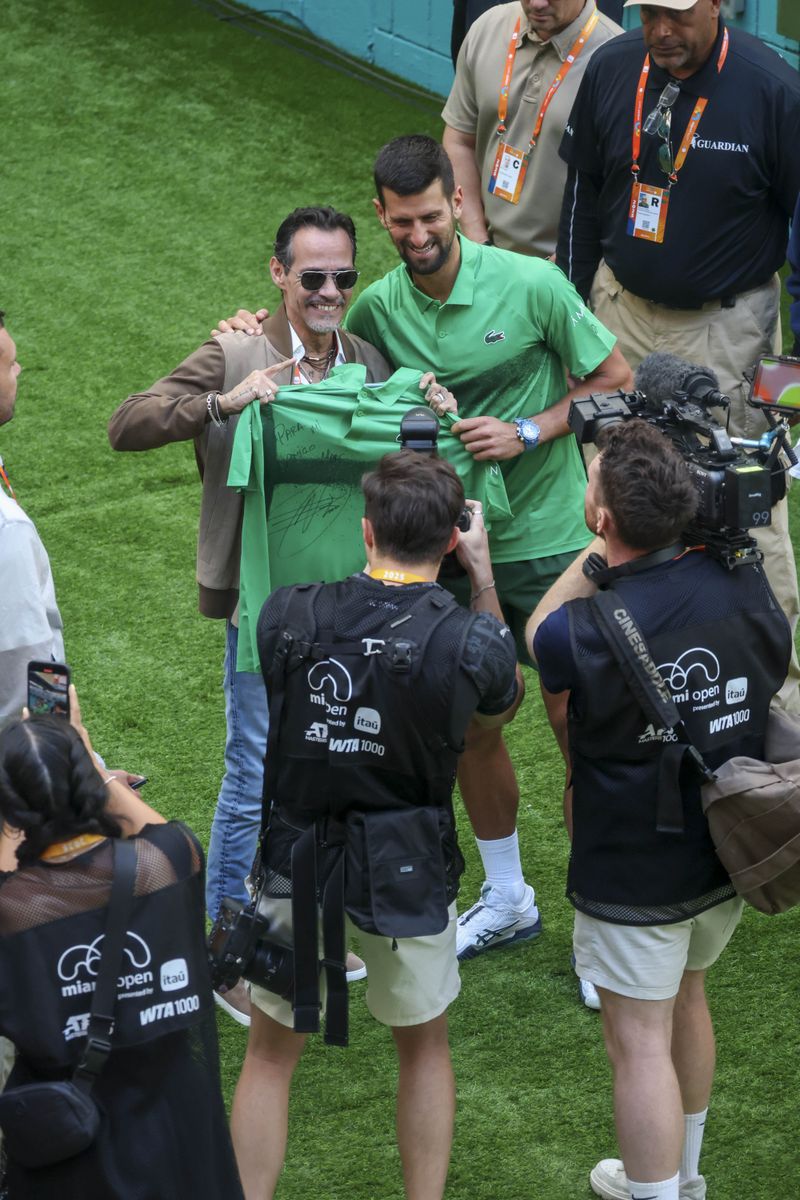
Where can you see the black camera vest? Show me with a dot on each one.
(361, 723)
(721, 644)
(163, 986)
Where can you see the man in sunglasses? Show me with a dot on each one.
(313, 266)
(683, 176)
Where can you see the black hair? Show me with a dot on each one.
(327, 219)
(408, 165)
(413, 502)
(645, 484)
(49, 787)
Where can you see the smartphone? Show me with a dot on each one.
(137, 783)
(48, 689)
(777, 384)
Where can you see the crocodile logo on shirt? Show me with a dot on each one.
(494, 335)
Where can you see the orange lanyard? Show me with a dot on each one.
(6, 480)
(566, 67)
(390, 576)
(83, 841)
(694, 119)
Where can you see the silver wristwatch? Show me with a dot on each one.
(528, 432)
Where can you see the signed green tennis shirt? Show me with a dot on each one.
(501, 342)
(299, 462)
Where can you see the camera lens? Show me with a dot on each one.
(272, 967)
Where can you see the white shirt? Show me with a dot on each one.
(299, 350)
(30, 623)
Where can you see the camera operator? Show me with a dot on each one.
(654, 906)
(459, 664)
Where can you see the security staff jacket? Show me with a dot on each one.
(726, 228)
(722, 645)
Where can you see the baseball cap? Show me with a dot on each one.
(677, 5)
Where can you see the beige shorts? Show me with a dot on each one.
(407, 986)
(646, 962)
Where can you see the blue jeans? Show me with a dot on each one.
(234, 831)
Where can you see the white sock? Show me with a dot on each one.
(667, 1189)
(694, 1125)
(502, 866)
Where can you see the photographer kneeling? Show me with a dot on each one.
(375, 691)
(655, 907)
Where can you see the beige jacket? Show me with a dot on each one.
(174, 410)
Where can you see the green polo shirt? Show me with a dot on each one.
(299, 462)
(501, 343)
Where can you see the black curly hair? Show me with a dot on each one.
(49, 787)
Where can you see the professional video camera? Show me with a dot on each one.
(738, 480)
(238, 946)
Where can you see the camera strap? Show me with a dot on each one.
(294, 645)
(602, 575)
(627, 644)
(306, 1003)
(334, 951)
(101, 1017)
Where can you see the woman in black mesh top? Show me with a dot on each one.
(163, 1132)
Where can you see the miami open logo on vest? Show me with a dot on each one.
(331, 687)
(78, 966)
(693, 677)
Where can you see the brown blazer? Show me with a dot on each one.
(174, 410)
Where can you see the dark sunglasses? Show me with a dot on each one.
(659, 124)
(665, 159)
(312, 281)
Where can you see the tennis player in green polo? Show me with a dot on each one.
(510, 337)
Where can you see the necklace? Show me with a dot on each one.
(84, 840)
(321, 364)
(320, 358)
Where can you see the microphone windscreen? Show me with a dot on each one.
(660, 375)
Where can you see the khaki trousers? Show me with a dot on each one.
(729, 341)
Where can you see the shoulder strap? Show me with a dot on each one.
(629, 648)
(176, 845)
(402, 653)
(101, 1018)
(295, 638)
(627, 644)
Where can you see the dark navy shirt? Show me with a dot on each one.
(793, 282)
(727, 225)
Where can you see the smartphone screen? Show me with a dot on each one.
(48, 689)
(777, 381)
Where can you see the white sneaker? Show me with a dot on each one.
(356, 968)
(608, 1180)
(587, 991)
(493, 923)
(588, 994)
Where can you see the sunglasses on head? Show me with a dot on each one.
(312, 281)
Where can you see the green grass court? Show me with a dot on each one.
(148, 152)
